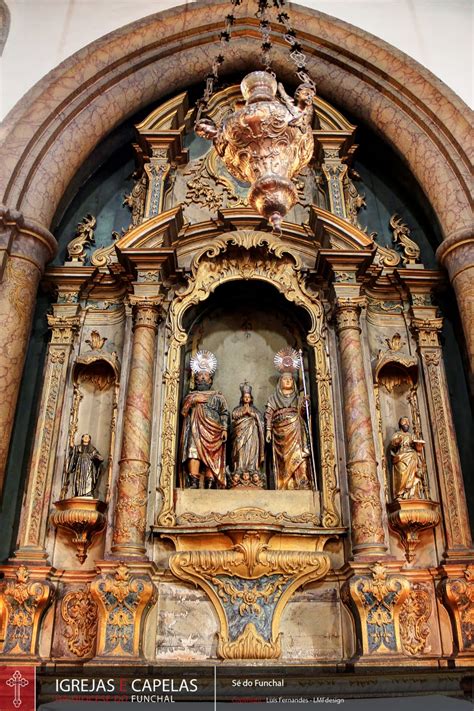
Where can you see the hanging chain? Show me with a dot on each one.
(265, 29)
(296, 53)
(213, 77)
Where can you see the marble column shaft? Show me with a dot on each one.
(458, 537)
(132, 489)
(364, 487)
(25, 247)
(456, 253)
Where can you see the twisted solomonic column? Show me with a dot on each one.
(132, 487)
(364, 487)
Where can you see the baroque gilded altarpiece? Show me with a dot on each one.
(150, 571)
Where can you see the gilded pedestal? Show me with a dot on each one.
(25, 598)
(249, 576)
(123, 595)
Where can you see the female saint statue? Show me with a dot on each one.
(287, 432)
(248, 446)
(406, 461)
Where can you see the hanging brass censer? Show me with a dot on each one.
(269, 140)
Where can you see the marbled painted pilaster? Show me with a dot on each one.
(364, 487)
(458, 537)
(34, 517)
(456, 253)
(132, 495)
(25, 248)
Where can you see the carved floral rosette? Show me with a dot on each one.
(249, 585)
(25, 601)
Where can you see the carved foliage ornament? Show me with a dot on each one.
(414, 616)
(79, 612)
(122, 601)
(25, 602)
(377, 599)
(458, 595)
(402, 237)
(84, 236)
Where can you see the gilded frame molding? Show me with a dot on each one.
(248, 254)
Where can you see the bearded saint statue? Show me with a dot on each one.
(206, 421)
(406, 462)
(287, 432)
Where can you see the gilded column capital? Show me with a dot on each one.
(63, 329)
(347, 312)
(146, 311)
(427, 331)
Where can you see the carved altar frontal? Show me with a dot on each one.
(136, 546)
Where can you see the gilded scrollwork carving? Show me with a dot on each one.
(402, 237)
(79, 612)
(122, 602)
(251, 515)
(458, 596)
(210, 187)
(84, 236)
(377, 599)
(414, 615)
(25, 601)
(247, 255)
(249, 585)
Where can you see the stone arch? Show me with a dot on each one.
(57, 124)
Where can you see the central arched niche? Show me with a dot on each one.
(245, 323)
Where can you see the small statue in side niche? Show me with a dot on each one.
(248, 442)
(407, 466)
(287, 432)
(206, 421)
(83, 469)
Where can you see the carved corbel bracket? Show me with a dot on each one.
(82, 518)
(123, 599)
(249, 584)
(409, 517)
(376, 600)
(24, 600)
(457, 592)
